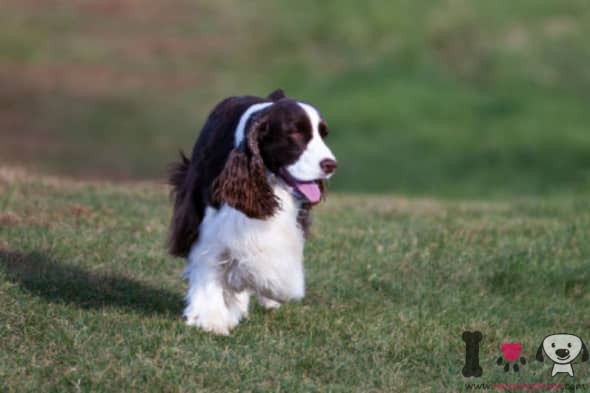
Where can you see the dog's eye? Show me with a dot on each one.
(296, 134)
(569, 345)
(297, 137)
(552, 345)
(323, 129)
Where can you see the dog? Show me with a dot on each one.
(242, 206)
(563, 349)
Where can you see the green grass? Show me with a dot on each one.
(473, 113)
(90, 301)
(453, 98)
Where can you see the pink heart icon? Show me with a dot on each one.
(511, 351)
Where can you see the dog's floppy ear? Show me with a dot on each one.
(539, 356)
(276, 95)
(585, 355)
(242, 183)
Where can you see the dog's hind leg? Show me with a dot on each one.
(268, 303)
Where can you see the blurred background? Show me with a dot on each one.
(454, 98)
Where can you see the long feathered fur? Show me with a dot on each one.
(184, 228)
(191, 179)
(242, 184)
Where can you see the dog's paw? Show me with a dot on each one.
(268, 303)
(212, 325)
(219, 321)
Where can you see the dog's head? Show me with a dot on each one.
(562, 348)
(284, 137)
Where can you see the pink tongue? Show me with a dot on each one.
(310, 190)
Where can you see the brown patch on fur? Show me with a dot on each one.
(304, 218)
(242, 184)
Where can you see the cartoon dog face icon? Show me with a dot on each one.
(562, 349)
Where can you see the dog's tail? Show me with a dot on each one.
(183, 228)
(177, 173)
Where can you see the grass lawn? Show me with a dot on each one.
(91, 302)
(473, 113)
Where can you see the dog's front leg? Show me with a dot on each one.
(211, 305)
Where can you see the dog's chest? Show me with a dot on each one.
(282, 231)
(279, 235)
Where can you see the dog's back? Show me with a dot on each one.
(191, 179)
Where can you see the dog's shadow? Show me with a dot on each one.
(49, 279)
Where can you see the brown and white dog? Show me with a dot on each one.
(242, 203)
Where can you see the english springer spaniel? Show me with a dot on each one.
(242, 204)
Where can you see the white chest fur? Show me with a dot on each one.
(236, 256)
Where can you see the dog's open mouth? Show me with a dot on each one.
(564, 358)
(310, 190)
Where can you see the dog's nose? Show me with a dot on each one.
(328, 165)
(562, 352)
